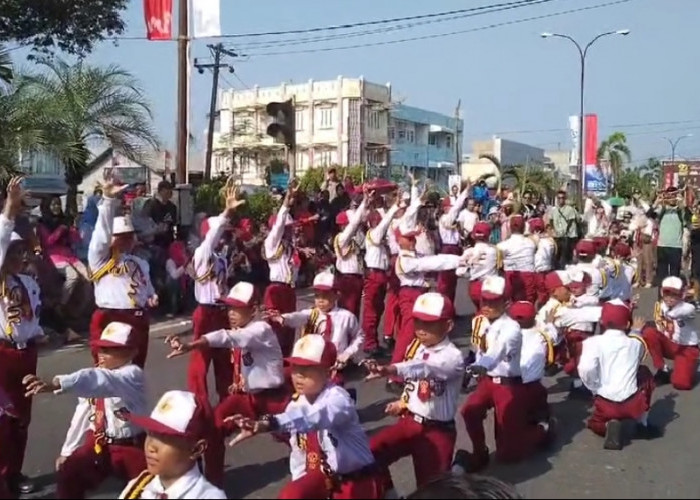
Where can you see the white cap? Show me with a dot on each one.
(493, 287)
(177, 413)
(313, 350)
(115, 334)
(122, 225)
(672, 283)
(15, 237)
(241, 295)
(493, 210)
(433, 306)
(575, 275)
(324, 281)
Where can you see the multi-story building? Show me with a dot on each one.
(338, 122)
(426, 141)
(509, 153)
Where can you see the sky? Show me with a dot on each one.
(511, 82)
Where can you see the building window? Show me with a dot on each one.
(432, 140)
(327, 118)
(411, 136)
(373, 121)
(448, 141)
(299, 120)
(402, 135)
(392, 134)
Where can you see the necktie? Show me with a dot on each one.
(328, 330)
(100, 425)
(236, 361)
(314, 453)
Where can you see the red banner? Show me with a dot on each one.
(159, 19)
(590, 152)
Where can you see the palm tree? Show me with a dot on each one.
(615, 151)
(651, 170)
(535, 179)
(6, 72)
(85, 105)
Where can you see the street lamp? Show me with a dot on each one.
(674, 144)
(583, 51)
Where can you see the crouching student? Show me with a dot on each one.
(610, 368)
(330, 455)
(334, 323)
(258, 385)
(177, 439)
(100, 443)
(433, 369)
(674, 336)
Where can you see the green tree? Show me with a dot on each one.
(6, 73)
(533, 178)
(312, 179)
(72, 26)
(86, 104)
(651, 170)
(615, 151)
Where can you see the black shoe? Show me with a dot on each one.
(552, 370)
(613, 435)
(389, 342)
(394, 387)
(376, 353)
(580, 392)
(353, 394)
(465, 383)
(468, 462)
(649, 431)
(662, 377)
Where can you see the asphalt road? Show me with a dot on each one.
(576, 467)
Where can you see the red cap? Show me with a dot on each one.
(556, 279)
(374, 218)
(446, 202)
(433, 306)
(494, 288)
(517, 223)
(116, 334)
(615, 314)
(342, 218)
(536, 224)
(600, 242)
(522, 311)
(313, 350)
(241, 295)
(622, 250)
(406, 233)
(481, 230)
(586, 247)
(177, 413)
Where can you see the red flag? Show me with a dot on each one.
(159, 19)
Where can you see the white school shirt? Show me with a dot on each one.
(347, 260)
(518, 253)
(609, 363)
(433, 379)
(467, 220)
(376, 248)
(678, 324)
(448, 226)
(342, 438)
(346, 334)
(504, 342)
(210, 269)
(261, 355)
(538, 344)
(278, 253)
(191, 485)
(544, 256)
(122, 389)
(483, 259)
(124, 283)
(411, 269)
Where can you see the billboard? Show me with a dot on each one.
(681, 173)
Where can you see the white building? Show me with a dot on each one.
(338, 122)
(509, 153)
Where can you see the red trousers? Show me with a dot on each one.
(574, 344)
(266, 402)
(407, 297)
(281, 297)
(685, 357)
(475, 293)
(391, 310)
(633, 407)
(536, 398)
(516, 436)
(312, 485)
(447, 280)
(84, 470)
(206, 319)
(430, 446)
(542, 294)
(373, 306)
(350, 287)
(15, 364)
(137, 318)
(523, 285)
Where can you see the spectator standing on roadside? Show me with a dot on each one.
(564, 219)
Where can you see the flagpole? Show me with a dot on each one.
(183, 90)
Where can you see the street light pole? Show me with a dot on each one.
(674, 144)
(583, 52)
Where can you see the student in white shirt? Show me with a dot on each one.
(178, 429)
(674, 336)
(258, 376)
(100, 443)
(500, 386)
(330, 456)
(519, 261)
(611, 369)
(433, 369)
(348, 264)
(450, 236)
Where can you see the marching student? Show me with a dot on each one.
(433, 369)
(122, 281)
(611, 369)
(392, 317)
(19, 319)
(177, 429)
(450, 236)
(330, 456)
(544, 256)
(483, 260)
(519, 261)
(210, 285)
(347, 259)
(333, 323)
(100, 443)
(258, 377)
(674, 336)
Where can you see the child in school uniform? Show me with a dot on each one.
(334, 323)
(177, 438)
(330, 455)
(433, 370)
(100, 443)
(259, 387)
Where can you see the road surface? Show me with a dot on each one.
(576, 467)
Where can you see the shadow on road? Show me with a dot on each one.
(663, 411)
(244, 480)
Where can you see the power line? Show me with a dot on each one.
(627, 125)
(440, 35)
(383, 30)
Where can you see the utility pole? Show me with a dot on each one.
(218, 50)
(183, 90)
(458, 139)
